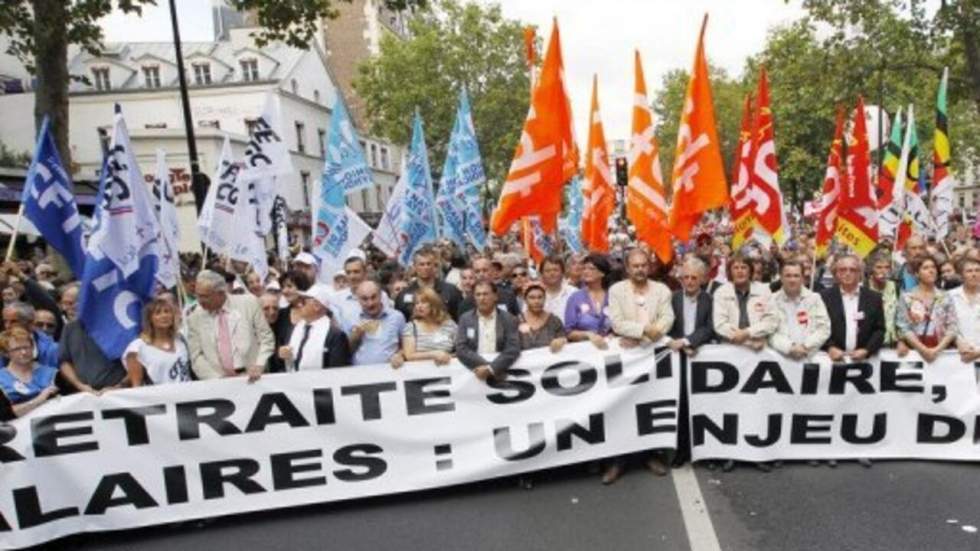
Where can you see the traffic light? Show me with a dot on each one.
(622, 171)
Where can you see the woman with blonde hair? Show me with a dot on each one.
(431, 335)
(25, 383)
(159, 354)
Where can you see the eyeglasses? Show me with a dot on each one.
(45, 325)
(518, 274)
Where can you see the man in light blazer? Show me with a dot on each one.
(639, 308)
(227, 334)
(742, 311)
(803, 321)
(487, 330)
(692, 309)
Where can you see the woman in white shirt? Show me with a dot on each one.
(159, 355)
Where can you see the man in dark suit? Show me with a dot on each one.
(487, 330)
(483, 270)
(692, 310)
(857, 317)
(426, 270)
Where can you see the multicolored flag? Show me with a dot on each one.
(418, 219)
(698, 175)
(547, 155)
(646, 203)
(857, 213)
(890, 200)
(941, 197)
(740, 206)
(913, 221)
(600, 196)
(835, 179)
(767, 203)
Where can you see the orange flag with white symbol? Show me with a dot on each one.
(600, 197)
(646, 203)
(699, 175)
(546, 156)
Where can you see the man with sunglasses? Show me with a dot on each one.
(46, 321)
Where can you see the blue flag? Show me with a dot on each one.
(418, 221)
(50, 204)
(570, 225)
(337, 230)
(462, 178)
(110, 304)
(122, 256)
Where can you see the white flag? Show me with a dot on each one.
(230, 201)
(166, 211)
(266, 156)
(133, 232)
(357, 231)
(387, 237)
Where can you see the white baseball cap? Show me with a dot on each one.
(320, 293)
(305, 258)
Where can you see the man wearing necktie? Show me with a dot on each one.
(317, 342)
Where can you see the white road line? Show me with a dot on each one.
(700, 531)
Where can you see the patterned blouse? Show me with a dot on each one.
(929, 321)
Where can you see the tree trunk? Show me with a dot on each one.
(51, 61)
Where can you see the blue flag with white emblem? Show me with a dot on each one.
(122, 256)
(50, 204)
(569, 227)
(337, 230)
(418, 221)
(462, 178)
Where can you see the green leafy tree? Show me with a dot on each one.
(14, 159)
(452, 46)
(41, 31)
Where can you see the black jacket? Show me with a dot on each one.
(468, 341)
(870, 329)
(505, 298)
(704, 331)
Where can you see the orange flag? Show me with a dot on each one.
(857, 214)
(646, 203)
(741, 201)
(833, 183)
(546, 156)
(698, 175)
(600, 197)
(767, 199)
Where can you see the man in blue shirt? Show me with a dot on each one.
(375, 335)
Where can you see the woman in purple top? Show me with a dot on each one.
(587, 311)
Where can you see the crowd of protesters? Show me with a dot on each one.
(485, 308)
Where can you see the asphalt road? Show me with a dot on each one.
(892, 506)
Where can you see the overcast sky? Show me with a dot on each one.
(597, 37)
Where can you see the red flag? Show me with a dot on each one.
(740, 205)
(767, 199)
(546, 156)
(857, 214)
(833, 182)
(698, 175)
(646, 203)
(600, 197)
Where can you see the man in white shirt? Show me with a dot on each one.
(556, 289)
(487, 330)
(803, 321)
(316, 342)
(966, 303)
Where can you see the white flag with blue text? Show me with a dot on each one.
(166, 211)
(387, 237)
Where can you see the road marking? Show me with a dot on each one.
(700, 531)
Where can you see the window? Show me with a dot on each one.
(300, 142)
(364, 201)
(385, 163)
(294, 86)
(322, 135)
(101, 77)
(305, 177)
(374, 155)
(202, 74)
(250, 126)
(151, 77)
(316, 96)
(250, 70)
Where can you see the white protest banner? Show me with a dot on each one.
(167, 453)
(762, 406)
